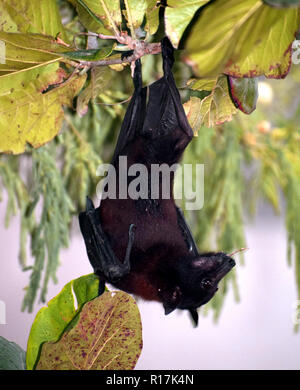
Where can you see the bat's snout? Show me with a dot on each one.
(232, 263)
(225, 264)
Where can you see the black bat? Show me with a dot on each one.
(144, 246)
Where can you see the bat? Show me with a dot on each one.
(143, 245)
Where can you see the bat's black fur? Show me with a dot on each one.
(144, 246)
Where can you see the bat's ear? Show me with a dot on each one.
(171, 301)
(194, 315)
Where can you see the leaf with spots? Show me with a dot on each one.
(51, 321)
(272, 55)
(28, 112)
(34, 16)
(214, 109)
(242, 38)
(107, 336)
(32, 87)
(25, 51)
(244, 93)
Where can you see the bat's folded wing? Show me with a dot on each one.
(164, 111)
(135, 114)
(161, 120)
(100, 253)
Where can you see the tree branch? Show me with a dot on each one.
(140, 48)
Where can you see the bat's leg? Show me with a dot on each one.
(100, 253)
(188, 237)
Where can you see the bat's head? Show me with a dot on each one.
(198, 280)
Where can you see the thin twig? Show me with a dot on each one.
(141, 49)
(114, 104)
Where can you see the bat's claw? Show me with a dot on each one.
(131, 231)
(89, 204)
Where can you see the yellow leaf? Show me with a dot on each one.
(214, 109)
(27, 115)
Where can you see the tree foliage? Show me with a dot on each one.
(64, 86)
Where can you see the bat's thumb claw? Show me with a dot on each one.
(132, 228)
(89, 204)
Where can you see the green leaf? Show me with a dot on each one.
(214, 109)
(282, 3)
(193, 113)
(242, 39)
(31, 16)
(36, 42)
(27, 115)
(30, 68)
(202, 84)
(178, 15)
(90, 54)
(135, 12)
(51, 321)
(12, 357)
(152, 17)
(105, 17)
(21, 53)
(272, 56)
(244, 93)
(99, 15)
(90, 12)
(107, 336)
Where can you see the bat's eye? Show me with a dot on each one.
(206, 283)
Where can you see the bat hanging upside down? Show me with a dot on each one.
(144, 246)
